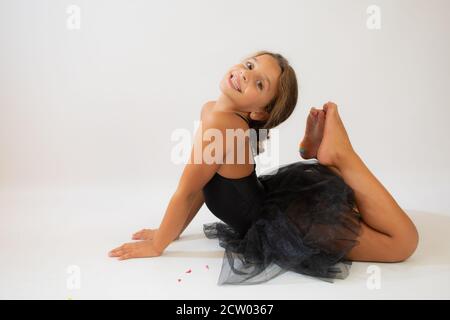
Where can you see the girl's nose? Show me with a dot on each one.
(244, 76)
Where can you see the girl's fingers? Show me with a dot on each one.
(125, 256)
(137, 235)
(115, 253)
(116, 249)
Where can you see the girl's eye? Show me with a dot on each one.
(259, 84)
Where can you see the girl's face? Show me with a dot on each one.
(252, 84)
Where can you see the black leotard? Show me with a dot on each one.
(234, 201)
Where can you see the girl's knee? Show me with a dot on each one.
(406, 245)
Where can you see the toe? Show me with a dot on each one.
(330, 107)
(321, 115)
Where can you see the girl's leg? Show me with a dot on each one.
(387, 233)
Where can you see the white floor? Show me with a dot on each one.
(50, 239)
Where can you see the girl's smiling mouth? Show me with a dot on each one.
(234, 82)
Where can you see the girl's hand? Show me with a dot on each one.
(146, 234)
(141, 249)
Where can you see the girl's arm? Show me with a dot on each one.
(208, 153)
(197, 172)
(149, 234)
(197, 203)
(173, 222)
(199, 199)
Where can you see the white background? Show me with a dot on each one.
(86, 118)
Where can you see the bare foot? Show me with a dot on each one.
(335, 144)
(313, 134)
(146, 234)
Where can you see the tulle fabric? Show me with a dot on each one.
(306, 224)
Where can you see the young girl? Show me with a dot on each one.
(311, 218)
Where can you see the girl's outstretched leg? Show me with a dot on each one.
(387, 233)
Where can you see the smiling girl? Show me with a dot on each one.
(310, 218)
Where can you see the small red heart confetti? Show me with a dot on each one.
(189, 271)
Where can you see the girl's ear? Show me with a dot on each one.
(259, 116)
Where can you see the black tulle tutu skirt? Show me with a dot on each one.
(307, 224)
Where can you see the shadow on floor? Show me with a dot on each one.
(434, 237)
(193, 254)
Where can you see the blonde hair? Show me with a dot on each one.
(283, 103)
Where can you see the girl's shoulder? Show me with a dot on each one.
(206, 109)
(227, 119)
